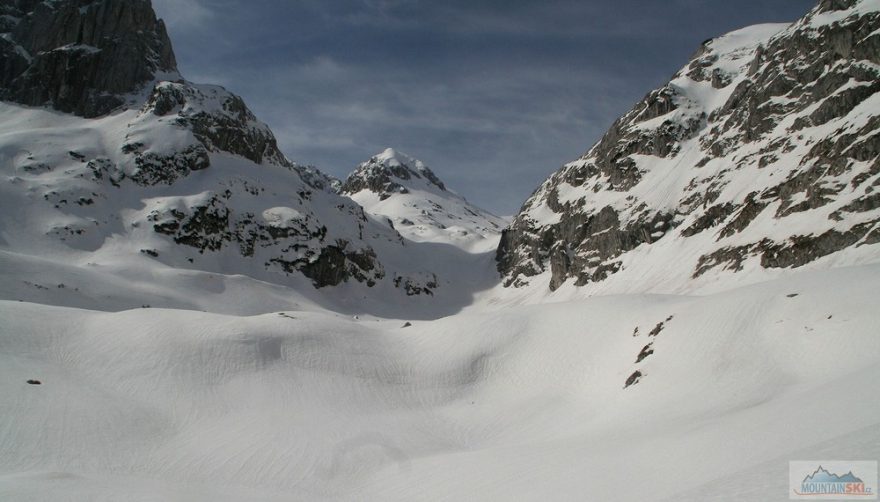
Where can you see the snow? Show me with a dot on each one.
(745, 40)
(281, 216)
(517, 403)
(278, 391)
(89, 49)
(859, 8)
(392, 157)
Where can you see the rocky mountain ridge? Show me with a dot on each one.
(762, 153)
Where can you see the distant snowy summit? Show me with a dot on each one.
(761, 154)
(406, 193)
(391, 172)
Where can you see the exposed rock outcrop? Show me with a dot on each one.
(219, 120)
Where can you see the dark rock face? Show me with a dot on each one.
(218, 119)
(154, 169)
(795, 251)
(80, 56)
(336, 264)
(583, 246)
(413, 286)
(786, 119)
(646, 351)
(832, 5)
(293, 246)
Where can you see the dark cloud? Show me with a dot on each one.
(494, 95)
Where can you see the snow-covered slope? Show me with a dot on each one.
(138, 208)
(412, 198)
(526, 403)
(759, 156)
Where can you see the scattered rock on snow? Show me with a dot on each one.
(633, 379)
(647, 350)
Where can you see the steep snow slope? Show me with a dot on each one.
(522, 404)
(759, 156)
(412, 198)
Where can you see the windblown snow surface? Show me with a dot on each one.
(516, 403)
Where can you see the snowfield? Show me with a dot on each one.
(508, 403)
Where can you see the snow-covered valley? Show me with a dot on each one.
(186, 314)
(514, 403)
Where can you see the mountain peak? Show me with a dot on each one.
(404, 192)
(392, 157)
(392, 172)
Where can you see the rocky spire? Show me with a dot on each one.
(80, 56)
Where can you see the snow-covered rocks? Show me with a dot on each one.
(391, 172)
(150, 183)
(759, 155)
(218, 119)
(180, 173)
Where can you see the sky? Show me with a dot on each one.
(494, 95)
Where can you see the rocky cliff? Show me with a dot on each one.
(80, 56)
(762, 153)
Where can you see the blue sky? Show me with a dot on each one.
(493, 95)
